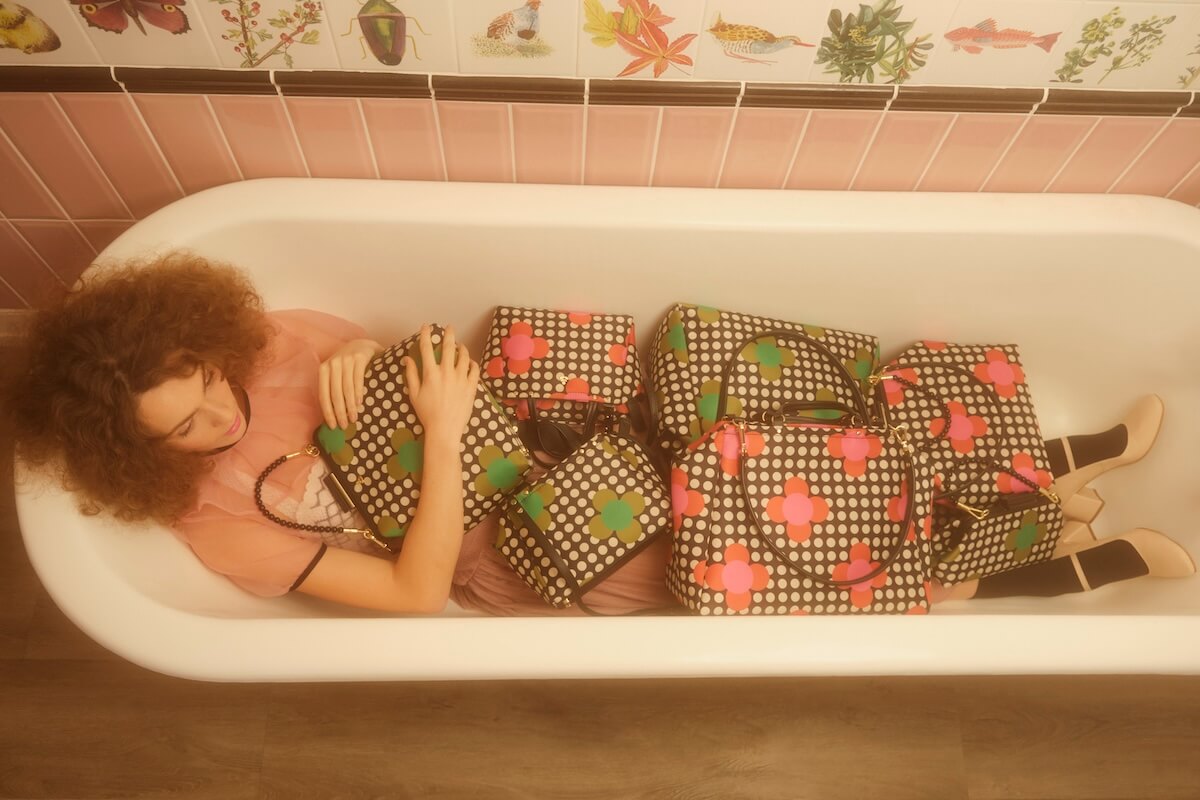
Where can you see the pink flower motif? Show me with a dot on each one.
(735, 576)
(855, 447)
(798, 509)
(575, 389)
(894, 390)
(520, 348)
(963, 427)
(731, 448)
(898, 504)
(579, 317)
(685, 502)
(1023, 464)
(859, 563)
(1004, 375)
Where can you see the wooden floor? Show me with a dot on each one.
(77, 722)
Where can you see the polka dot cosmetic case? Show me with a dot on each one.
(376, 463)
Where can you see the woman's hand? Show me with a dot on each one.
(443, 395)
(341, 382)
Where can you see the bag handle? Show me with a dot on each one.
(856, 392)
(910, 506)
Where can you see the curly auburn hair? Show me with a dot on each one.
(86, 359)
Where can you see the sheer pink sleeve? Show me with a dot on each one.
(258, 556)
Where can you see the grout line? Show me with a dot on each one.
(221, 130)
(737, 109)
(56, 219)
(154, 141)
(874, 135)
(362, 116)
(91, 155)
(1193, 171)
(16, 294)
(787, 175)
(512, 143)
(1071, 157)
(1038, 104)
(1138, 157)
(291, 124)
(654, 153)
(437, 124)
(917, 186)
(40, 258)
(587, 88)
(36, 175)
(1016, 137)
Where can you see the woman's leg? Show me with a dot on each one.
(1076, 461)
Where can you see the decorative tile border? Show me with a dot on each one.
(57, 79)
(509, 90)
(334, 83)
(1098, 101)
(150, 80)
(966, 100)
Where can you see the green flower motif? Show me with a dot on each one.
(414, 352)
(675, 340)
(825, 395)
(950, 556)
(390, 528)
(335, 442)
(769, 356)
(540, 578)
(627, 453)
(1029, 533)
(618, 516)
(536, 502)
(863, 362)
(708, 315)
(815, 331)
(408, 457)
(500, 472)
(706, 408)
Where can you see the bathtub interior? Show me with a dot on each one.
(1102, 312)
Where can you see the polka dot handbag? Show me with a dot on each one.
(694, 344)
(559, 372)
(376, 463)
(567, 531)
(781, 513)
(970, 410)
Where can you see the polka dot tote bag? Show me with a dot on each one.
(821, 507)
(376, 463)
(970, 410)
(575, 526)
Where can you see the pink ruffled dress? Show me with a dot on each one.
(228, 533)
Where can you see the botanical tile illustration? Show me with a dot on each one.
(255, 44)
(384, 29)
(746, 42)
(1191, 72)
(1098, 40)
(873, 41)
(638, 28)
(23, 30)
(988, 34)
(514, 33)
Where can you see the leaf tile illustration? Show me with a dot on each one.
(1191, 72)
(255, 44)
(744, 42)
(384, 29)
(1098, 40)
(514, 33)
(23, 30)
(873, 43)
(638, 29)
(988, 34)
(114, 15)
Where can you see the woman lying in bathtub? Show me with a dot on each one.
(164, 390)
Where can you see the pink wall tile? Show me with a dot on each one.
(1104, 155)
(22, 196)
(60, 246)
(620, 145)
(331, 133)
(906, 141)
(259, 135)
(476, 140)
(43, 134)
(1041, 148)
(9, 299)
(691, 146)
(102, 233)
(404, 136)
(761, 148)
(24, 271)
(973, 146)
(187, 132)
(1188, 190)
(832, 148)
(548, 143)
(1165, 162)
(110, 126)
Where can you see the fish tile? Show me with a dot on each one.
(425, 40)
(548, 143)
(404, 136)
(601, 56)
(759, 40)
(260, 136)
(970, 151)
(186, 130)
(476, 141)
(33, 33)
(1043, 146)
(332, 136)
(906, 142)
(832, 148)
(761, 148)
(534, 37)
(1166, 161)
(1104, 155)
(620, 144)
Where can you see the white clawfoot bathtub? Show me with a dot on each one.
(1099, 291)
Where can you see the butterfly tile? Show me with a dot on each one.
(270, 34)
(851, 55)
(1008, 44)
(1152, 45)
(759, 40)
(673, 34)
(393, 35)
(537, 37)
(146, 32)
(43, 33)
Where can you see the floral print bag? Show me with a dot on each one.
(818, 506)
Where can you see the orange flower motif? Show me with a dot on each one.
(894, 390)
(1023, 464)
(735, 576)
(575, 389)
(898, 504)
(855, 447)
(731, 448)
(685, 502)
(798, 509)
(963, 428)
(520, 348)
(579, 317)
(860, 563)
(931, 344)
(1004, 375)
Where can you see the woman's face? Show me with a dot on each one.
(195, 413)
